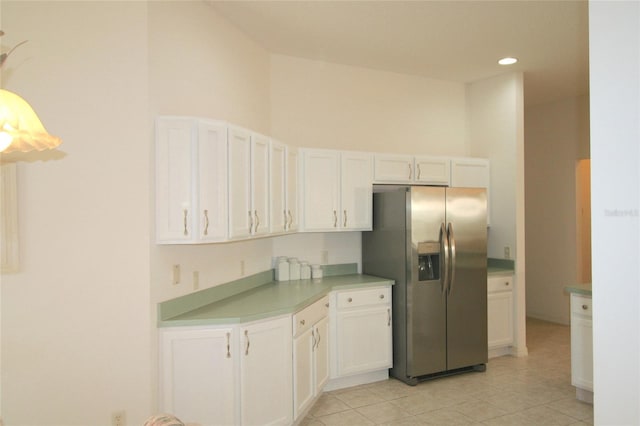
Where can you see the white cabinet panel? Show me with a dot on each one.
(278, 188)
(500, 311)
(266, 373)
(310, 354)
(581, 342)
(337, 190)
(191, 180)
(361, 338)
(260, 146)
(407, 169)
(240, 214)
(293, 176)
(198, 375)
(432, 170)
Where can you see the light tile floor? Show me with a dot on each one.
(533, 390)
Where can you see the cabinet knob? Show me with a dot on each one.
(506, 283)
(382, 296)
(302, 322)
(585, 307)
(326, 304)
(349, 300)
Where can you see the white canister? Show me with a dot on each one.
(305, 271)
(294, 269)
(282, 269)
(316, 272)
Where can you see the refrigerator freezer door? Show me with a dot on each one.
(426, 300)
(467, 298)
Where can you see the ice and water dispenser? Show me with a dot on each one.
(428, 261)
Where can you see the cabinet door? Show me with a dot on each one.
(321, 354)
(472, 173)
(357, 191)
(581, 342)
(393, 168)
(212, 181)
(260, 184)
(433, 170)
(174, 170)
(240, 214)
(266, 373)
(278, 188)
(321, 190)
(303, 384)
(199, 375)
(500, 319)
(292, 189)
(364, 340)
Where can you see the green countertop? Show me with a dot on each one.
(583, 289)
(270, 299)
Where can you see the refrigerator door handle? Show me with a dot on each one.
(444, 264)
(452, 253)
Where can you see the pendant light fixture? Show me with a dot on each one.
(20, 128)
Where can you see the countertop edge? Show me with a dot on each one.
(285, 310)
(583, 289)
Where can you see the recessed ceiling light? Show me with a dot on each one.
(507, 61)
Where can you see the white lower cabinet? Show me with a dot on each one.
(581, 344)
(499, 313)
(265, 371)
(310, 354)
(222, 376)
(361, 336)
(199, 374)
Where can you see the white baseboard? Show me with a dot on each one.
(355, 380)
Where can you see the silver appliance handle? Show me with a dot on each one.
(444, 263)
(452, 250)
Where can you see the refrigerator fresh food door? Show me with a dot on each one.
(467, 288)
(426, 299)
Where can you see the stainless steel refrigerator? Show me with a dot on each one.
(433, 242)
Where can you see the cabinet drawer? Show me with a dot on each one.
(500, 283)
(304, 319)
(581, 305)
(372, 296)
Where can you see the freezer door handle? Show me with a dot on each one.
(444, 262)
(452, 254)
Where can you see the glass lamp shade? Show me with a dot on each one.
(20, 127)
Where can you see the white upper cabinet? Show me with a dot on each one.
(337, 190)
(248, 183)
(293, 174)
(260, 177)
(284, 188)
(406, 169)
(278, 187)
(472, 173)
(191, 180)
(432, 170)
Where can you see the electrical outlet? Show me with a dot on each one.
(176, 274)
(118, 418)
(507, 252)
(196, 280)
(324, 257)
(242, 268)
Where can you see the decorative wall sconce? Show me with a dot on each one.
(20, 127)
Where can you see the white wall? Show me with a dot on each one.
(614, 54)
(557, 135)
(75, 318)
(495, 130)
(325, 105)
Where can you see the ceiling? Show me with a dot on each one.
(450, 40)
